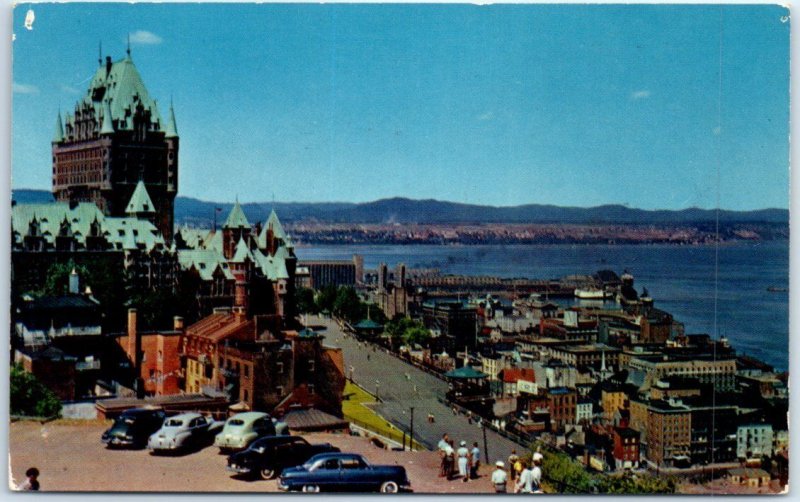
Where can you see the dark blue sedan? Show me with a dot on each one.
(343, 472)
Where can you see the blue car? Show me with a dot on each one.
(343, 472)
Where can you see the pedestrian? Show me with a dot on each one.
(463, 461)
(499, 477)
(450, 458)
(31, 482)
(512, 462)
(536, 473)
(455, 411)
(442, 446)
(475, 461)
(525, 481)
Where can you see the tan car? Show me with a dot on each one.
(242, 429)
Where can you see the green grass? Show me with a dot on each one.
(354, 410)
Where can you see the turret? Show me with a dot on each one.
(58, 136)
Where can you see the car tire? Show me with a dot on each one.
(268, 473)
(390, 487)
(310, 489)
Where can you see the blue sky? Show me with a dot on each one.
(502, 105)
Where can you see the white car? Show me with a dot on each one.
(183, 431)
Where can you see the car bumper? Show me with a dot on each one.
(282, 487)
(118, 441)
(162, 444)
(239, 469)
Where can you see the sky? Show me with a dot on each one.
(652, 106)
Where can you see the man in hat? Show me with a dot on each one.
(443, 446)
(499, 477)
(536, 473)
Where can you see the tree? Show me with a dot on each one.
(416, 335)
(348, 305)
(325, 298)
(633, 484)
(30, 397)
(304, 298)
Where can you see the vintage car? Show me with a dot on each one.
(343, 472)
(242, 429)
(133, 427)
(269, 456)
(183, 431)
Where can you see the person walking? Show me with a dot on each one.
(475, 460)
(463, 461)
(450, 455)
(442, 446)
(525, 481)
(31, 482)
(499, 477)
(536, 473)
(512, 463)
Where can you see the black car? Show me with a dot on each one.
(133, 427)
(268, 456)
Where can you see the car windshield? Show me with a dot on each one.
(173, 423)
(236, 422)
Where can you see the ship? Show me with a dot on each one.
(591, 294)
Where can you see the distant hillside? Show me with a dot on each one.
(401, 210)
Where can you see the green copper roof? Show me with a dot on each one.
(205, 261)
(108, 127)
(242, 252)
(236, 219)
(122, 87)
(58, 137)
(121, 233)
(368, 324)
(140, 200)
(465, 372)
(172, 128)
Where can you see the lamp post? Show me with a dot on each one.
(411, 439)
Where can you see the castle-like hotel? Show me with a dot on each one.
(115, 179)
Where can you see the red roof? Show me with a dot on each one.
(511, 375)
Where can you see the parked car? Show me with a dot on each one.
(345, 472)
(242, 429)
(133, 427)
(269, 456)
(183, 431)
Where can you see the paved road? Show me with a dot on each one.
(400, 386)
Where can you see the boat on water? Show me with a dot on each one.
(777, 289)
(591, 294)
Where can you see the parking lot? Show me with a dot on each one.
(71, 457)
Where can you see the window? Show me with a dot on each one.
(279, 390)
(246, 395)
(246, 371)
(311, 365)
(280, 368)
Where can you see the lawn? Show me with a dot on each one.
(354, 410)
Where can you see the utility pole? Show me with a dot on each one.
(485, 444)
(411, 439)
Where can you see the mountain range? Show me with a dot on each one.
(196, 212)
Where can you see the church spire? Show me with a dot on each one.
(172, 128)
(128, 50)
(58, 137)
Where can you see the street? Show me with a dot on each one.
(401, 386)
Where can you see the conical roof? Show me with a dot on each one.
(236, 218)
(140, 200)
(172, 128)
(242, 252)
(58, 136)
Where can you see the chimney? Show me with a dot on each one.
(177, 323)
(74, 283)
(134, 351)
(108, 65)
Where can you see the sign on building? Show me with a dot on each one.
(527, 387)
